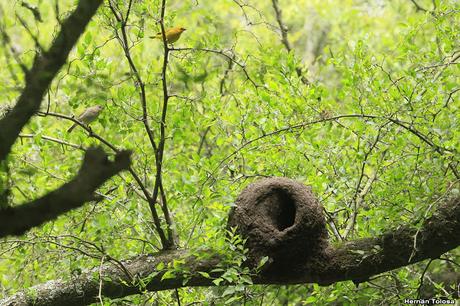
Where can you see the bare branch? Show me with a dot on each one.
(356, 260)
(418, 7)
(171, 243)
(43, 71)
(90, 132)
(53, 139)
(437, 148)
(283, 27)
(34, 10)
(95, 170)
(153, 200)
(285, 40)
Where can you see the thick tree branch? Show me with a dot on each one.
(95, 170)
(398, 248)
(355, 260)
(45, 67)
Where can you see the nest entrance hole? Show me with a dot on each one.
(284, 209)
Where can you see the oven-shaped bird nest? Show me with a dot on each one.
(281, 219)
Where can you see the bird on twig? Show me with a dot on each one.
(88, 116)
(172, 35)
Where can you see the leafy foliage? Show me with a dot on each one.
(381, 112)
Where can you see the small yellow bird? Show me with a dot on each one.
(172, 35)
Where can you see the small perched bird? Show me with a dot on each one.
(172, 35)
(88, 116)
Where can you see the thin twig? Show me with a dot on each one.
(301, 125)
(419, 289)
(99, 295)
(116, 150)
(56, 140)
(157, 188)
(124, 42)
(285, 40)
(7, 41)
(29, 31)
(418, 7)
(224, 54)
(358, 202)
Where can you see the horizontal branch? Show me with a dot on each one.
(360, 259)
(52, 139)
(408, 127)
(355, 260)
(45, 67)
(95, 170)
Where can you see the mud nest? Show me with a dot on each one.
(281, 219)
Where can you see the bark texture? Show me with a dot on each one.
(95, 170)
(354, 260)
(281, 219)
(45, 67)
